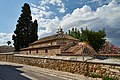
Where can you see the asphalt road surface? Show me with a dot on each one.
(12, 71)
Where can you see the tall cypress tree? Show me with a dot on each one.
(33, 33)
(24, 29)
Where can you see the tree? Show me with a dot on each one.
(95, 38)
(8, 42)
(74, 32)
(33, 33)
(25, 28)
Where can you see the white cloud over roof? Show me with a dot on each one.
(106, 16)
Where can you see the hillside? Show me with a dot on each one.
(6, 48)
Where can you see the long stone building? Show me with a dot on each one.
(58, 44)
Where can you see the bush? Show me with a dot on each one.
(108, 78)
(93, 75)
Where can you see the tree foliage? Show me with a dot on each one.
(33, 32)
(26, 29)
(8, 42)
(95, 38)
(74, 32)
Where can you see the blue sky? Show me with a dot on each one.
(10, 12)
(95, 14)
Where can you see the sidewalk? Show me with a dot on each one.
(55, 73)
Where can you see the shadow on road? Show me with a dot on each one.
(8, 72)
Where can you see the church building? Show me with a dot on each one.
(59, 44)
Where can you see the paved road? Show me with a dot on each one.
(12, 71)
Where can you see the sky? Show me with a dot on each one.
(50, 14)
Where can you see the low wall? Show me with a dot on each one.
(73, 66)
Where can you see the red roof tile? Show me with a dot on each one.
(54, 37)
(41, 47)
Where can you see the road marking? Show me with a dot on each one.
(32, 78)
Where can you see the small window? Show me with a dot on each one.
(30, 51)
(36, 51)
(46, 51)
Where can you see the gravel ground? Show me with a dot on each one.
(37, 73)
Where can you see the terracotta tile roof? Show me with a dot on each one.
(78, 46)
(71, 48)
(54, 37)
(68, 46)
(41, 47)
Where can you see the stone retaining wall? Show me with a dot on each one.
(77, 67)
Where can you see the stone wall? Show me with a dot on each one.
(77, 67)
(6, 57)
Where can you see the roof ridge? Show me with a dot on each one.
(55, 36)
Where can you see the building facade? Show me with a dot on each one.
(58, 44)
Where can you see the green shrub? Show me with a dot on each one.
(108, 78)
(93, 75)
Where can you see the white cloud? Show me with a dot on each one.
(43, 14)
(40, 12)
(4, 37)
(58, 3)
(94, 0)
(44, 2)
(62, 8)
(80, 17)
(50, 25)
(107, 16)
